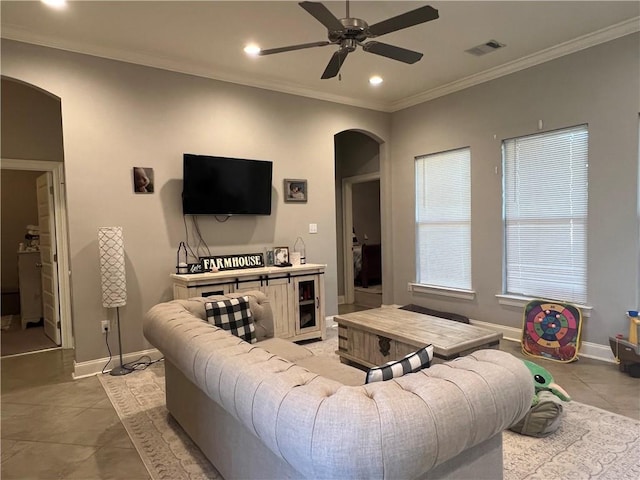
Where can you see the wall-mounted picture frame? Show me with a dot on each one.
(295, 190)
(143, 180)
(280, 255)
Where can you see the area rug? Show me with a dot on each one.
(590, 444)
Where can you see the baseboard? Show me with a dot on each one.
(93, 367)
(587, 349)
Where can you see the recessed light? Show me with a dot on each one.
(55, 3)
(252, 49)
(375, 80)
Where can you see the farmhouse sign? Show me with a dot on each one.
(232, 262)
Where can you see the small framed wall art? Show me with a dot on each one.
(143, 180)
(295, 190)
(281, 255)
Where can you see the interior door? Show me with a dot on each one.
(48, 257)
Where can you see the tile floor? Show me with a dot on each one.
(54, 427)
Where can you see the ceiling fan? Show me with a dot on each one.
(349, 32)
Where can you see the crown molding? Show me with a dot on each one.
(19, 34)
(12, 32)
(586, 41)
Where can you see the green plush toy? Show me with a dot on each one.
(545, 414)
(543, 381)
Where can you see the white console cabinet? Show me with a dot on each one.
(296, 294)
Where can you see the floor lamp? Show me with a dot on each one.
(113, 279)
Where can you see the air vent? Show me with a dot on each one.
(488, 47)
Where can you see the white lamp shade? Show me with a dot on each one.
(112, 272)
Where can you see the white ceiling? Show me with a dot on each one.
(206, 38)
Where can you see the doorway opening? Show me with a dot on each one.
(43, 319)
(361, 217)
(359, 226)
(32, 141)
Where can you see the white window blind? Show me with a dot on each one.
(545, 214)
(443, 219)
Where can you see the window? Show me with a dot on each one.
(443, 219)
(545, 214)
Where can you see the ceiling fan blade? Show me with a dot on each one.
(271, 51)
(393, 52)
(323, 15)
(333, 67)
(405, 20)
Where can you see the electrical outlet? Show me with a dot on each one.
(105, 326)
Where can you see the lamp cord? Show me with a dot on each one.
(106, 340)
(138, 364)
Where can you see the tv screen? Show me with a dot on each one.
(226, 186)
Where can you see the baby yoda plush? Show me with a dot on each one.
(543, 381)
(546, 407)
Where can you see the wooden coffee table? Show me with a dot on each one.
(373, 337)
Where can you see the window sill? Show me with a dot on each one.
(442, 291)
(521, 301)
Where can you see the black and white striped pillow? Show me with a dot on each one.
(411, 363)
(233, 315)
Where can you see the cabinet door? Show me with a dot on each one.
(282, 305)
(307, 311)
(277, 291)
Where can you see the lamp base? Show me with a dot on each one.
(117, 371)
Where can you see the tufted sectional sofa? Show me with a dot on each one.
(274, 410)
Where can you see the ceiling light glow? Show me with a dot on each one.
(375, 80)
(252, 49)
(55, 3)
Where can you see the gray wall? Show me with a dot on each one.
(598, 86)
(35, 129)
(117, 115)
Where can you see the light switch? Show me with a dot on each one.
(313, 228)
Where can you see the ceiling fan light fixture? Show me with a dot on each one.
(375, 80)
(252, 50)
(347, 33)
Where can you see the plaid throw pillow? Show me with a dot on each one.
(233, 315)
(411, 363)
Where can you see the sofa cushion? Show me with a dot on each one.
(233, 315)
(411, 363)
(285, 349)
(334, 370)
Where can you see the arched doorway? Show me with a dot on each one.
(359, 218)
(32, 142)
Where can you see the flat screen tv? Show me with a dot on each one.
(226, 186)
